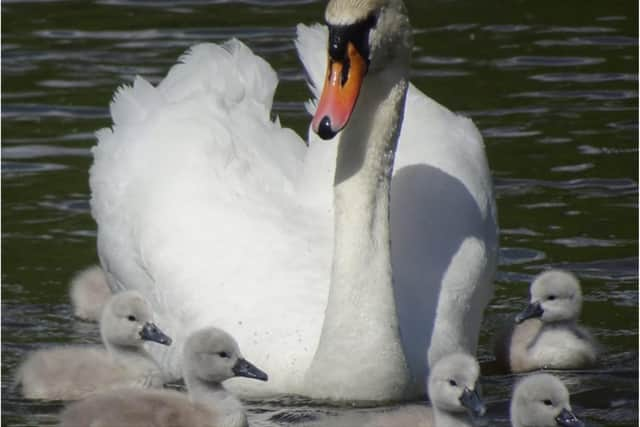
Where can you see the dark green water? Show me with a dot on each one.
(551, 84)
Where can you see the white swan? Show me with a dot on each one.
(73, 372)
(211, 356)
(547, 334)
(541, 400)
(89, 292)
(221, 216)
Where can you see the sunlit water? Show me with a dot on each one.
(552, 86)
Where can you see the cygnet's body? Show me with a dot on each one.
(547, 335)
(453, 393)
(89, 293)
(211, 356)
(541, 400)
(73, 372)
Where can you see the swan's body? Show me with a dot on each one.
(69, 373)
(89, 292)
(547, 334)
(541, 400)
(211, 356)
(221, 216)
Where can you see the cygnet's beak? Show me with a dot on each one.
(150, 332)
(566, 419)
(532, 310)
(471, 400)
(244, 368)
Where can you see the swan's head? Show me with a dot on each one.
(212, 355)
(453, 385)
(366, 37)
(555, 297)
(127, 321)
(541, 400)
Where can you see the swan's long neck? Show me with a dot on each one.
(360, 333)
(212, 395)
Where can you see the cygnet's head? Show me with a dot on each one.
(555, 297)
(212, 355)
(541, 400)
(366, 37)
(453, 385)
(127, 321)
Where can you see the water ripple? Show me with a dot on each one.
(14, 169)
(585, 77)
(588, 242)
(546, 61)
(507, 28)
(439, 60)
(584, 187)
(37, 111)
(35, 151)
(590, 95)
(617, 41)
(573, 168)
(577, 29)
(514, 256)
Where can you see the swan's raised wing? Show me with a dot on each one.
(194, 189)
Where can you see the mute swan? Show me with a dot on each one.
(89, 293)
(68, 373)
(210, 357)
(541, 400)
(221, 216)
(547, 334)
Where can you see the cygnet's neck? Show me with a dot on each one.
(212, 395)
(450, 419)
(360, 333)
(137, 360)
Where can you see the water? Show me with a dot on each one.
(552, 86)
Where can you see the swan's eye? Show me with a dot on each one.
(131, 318)
(224, 354)
(452, 383)
(547, 402)
(551, 297)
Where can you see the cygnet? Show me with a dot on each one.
(210, 357)
(541, 400)
(546, 334)
(89, 293)
(73, 372)
(453, 391)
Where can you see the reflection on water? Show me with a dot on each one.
(552, 85)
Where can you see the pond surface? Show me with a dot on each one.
(551, 84)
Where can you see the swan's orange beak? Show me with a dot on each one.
(340, 93)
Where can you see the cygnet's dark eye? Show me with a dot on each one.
(131, 318)
(452, 383)
(224, 354)
(551, 297)
(547, 402)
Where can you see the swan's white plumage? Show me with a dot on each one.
(221, 216)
